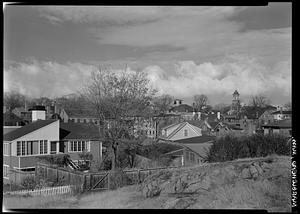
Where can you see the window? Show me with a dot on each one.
(75, 146)
(53, 148)
(192, 156)
(185, 132)
(84, 120)
(6, 149)
(5, 171)
(78, 146)
(43, 147)
(23, 148)
(29, 147)
(18, 148)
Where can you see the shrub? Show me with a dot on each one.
(28, 182)
(58, 159)
(231, 147)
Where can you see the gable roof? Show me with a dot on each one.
(181, 125)
(26, 129)
(283, 112)
(171, 125)
(279, 124)
(7, 129)
(198, 149)
(198, 139)
(71, 131)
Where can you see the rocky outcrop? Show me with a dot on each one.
(202, 178)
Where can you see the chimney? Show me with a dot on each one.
(219, 115)
(38, 113)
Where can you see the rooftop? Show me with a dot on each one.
(71, 131)
(279, 124)
(196, 140)
(26, 129)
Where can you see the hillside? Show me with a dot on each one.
(261, 183)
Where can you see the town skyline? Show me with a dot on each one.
(50, 51)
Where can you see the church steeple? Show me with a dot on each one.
(235, 101)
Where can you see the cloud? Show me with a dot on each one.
(181, 79)
(42, 78)
(236, 72)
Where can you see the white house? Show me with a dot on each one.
(180, 131)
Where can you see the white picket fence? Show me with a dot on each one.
(44, 191)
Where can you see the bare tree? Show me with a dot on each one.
(259, 101)
(118, 96)
(162, 103)
(13, 99)
(200, 101)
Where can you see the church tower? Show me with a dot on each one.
(236, 106)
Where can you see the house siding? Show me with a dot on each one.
(14, 161)
(180, 134)
(49, 132)
(29, 161)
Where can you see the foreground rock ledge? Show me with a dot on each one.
(203, 178)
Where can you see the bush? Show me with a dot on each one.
(231, 147)
(28, 182)
(59, 159)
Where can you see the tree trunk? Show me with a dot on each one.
(114, 157)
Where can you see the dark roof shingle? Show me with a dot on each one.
(26, 129)
(70, 131)
(198, 139)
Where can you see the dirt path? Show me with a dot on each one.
(125, 198)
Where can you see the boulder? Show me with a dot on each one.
(246, 173)
(253, 172)
(230, 172)
(265, 166)
(258, 168)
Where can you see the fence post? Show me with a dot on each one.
(108, 181)
(138, 176)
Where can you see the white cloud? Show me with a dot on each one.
(45, 78)
(186, 78)
(238, 72)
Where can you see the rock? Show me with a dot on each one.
(216, 172)
(206, 183)
(253, 172)
(170, 204)
(245, 173)
(230, 172)
(258, 168)
(265, 166)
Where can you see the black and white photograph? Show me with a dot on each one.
(148, 107)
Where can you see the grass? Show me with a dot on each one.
(39, 202)
(271, 192)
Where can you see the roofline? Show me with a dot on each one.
(177, 129)
(180, 144)
(34, 130)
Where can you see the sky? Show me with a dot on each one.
(185, 50)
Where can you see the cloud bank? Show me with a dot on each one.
(187, 79)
